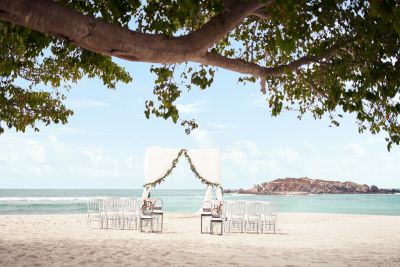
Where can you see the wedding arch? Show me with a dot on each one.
(204, 163)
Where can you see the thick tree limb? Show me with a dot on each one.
(233, 64)
(215, 30)
(244, 67)
(262, 12)
(53, 18)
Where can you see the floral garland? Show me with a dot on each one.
(161, 179)
(192, 167)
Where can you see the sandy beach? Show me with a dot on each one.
(303, 239)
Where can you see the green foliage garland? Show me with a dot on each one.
(159, 180)
(192, 167)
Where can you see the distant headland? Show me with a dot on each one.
(305, 185)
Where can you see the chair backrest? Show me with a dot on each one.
(129, 204)
(273, 209)
(157, 204)
(111, 204)
(217, 208)
(227, 209)
(207, 207)
(269, 209)
(238, 210)
(147, 206)
(93, 205)
(254, 209)
(134, 204)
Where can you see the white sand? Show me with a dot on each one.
(302, 240)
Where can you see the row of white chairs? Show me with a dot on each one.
(121, 213)
(246, 216)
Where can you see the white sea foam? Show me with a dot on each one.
(43, 199)
(240, 195)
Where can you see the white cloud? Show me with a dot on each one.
(93, 154)
(354, 149)
(288, 153)
(245, 163)
(352, 162)
(202, 138)
(192, 108)
(26, 150)
(50, 162)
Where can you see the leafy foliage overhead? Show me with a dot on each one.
(319, 56)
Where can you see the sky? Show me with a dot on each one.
(103, 144)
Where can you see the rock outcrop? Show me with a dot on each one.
(310, 186)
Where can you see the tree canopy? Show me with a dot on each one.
(319, 56)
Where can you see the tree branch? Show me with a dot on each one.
(96, 35)
(262, 12)
(233, 64)
(242, 66)
(214, 30)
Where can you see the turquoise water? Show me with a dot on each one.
(44, 201)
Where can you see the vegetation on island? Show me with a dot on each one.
(305, 185)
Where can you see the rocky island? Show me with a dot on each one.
(306, 185)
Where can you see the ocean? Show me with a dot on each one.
(61, 201)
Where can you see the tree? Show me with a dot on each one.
(319, 56)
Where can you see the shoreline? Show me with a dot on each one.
(196, 214)
(311, 239)
(234, 192)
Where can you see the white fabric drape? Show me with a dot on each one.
(207, 163)
(218, 193)
(208, 195)
(145, 193)
(157, 161)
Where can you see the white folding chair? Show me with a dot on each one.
(94, 212)
(130, 212)
(146, 214)
(253, 221)
(237, 218)
(270, 217)
(227, 213)
(111, 209)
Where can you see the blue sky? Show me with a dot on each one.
(103, 144)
